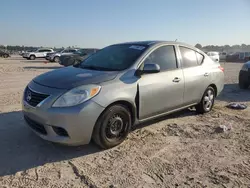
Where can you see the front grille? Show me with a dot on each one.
(33, 98)
(35, 126)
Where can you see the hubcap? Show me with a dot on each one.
(115, 127)
(208, 100)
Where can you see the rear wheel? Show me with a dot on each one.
(207, 101)
(112, 127)
(32, 57)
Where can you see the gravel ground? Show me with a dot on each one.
(180, 150)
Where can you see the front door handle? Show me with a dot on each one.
(176, 79)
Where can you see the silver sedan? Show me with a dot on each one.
(118, 87)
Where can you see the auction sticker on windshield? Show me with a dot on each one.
(137, 47)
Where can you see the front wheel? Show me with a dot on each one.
(207, 102)
(32, 57)
(112, 127)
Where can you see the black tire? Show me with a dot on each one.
(56, 59)
(243, 84)
(106, 133)
(5, 56)
(32, 57)
(207, 102)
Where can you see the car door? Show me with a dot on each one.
(163, 91)
(195, 74)
(39, 53)
(45, 52)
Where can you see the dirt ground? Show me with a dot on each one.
(180, 150)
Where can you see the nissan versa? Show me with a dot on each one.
(117, 87)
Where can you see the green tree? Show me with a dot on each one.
(199, 46)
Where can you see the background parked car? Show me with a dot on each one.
(39, 53)
(223, 56)
(4, 54)
(76, 57)
(54, 57)
(244, 76)
(50, 53)
(238, 56)
(214, 56)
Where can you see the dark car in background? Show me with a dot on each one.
(76, 57)
(4, 54)
(244, 76)
(238, 57)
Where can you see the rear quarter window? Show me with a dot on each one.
(200, 58)
(189, 57)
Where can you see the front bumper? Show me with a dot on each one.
(25, 55)
(69, 125)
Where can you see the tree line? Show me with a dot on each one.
(225, 48)
(25, 48)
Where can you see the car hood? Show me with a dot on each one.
(70, 77)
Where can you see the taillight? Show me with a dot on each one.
(221, 68)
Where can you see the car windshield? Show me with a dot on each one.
(114, 58)
(59, 51)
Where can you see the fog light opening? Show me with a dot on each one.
(60, 131)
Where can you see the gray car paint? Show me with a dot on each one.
(148, 96)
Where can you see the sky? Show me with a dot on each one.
(98, 23)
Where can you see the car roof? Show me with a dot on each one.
(156, 42)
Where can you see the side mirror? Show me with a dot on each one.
(151, 68)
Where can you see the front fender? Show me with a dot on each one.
(112, 93)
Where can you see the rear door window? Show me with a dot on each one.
(189, 57)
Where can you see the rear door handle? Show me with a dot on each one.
(176, 79)
(206, 74)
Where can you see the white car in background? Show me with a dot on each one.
(215, 56)
(39, 53)
(223, 56)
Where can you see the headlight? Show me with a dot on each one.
(77, 96)
(244, 67)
